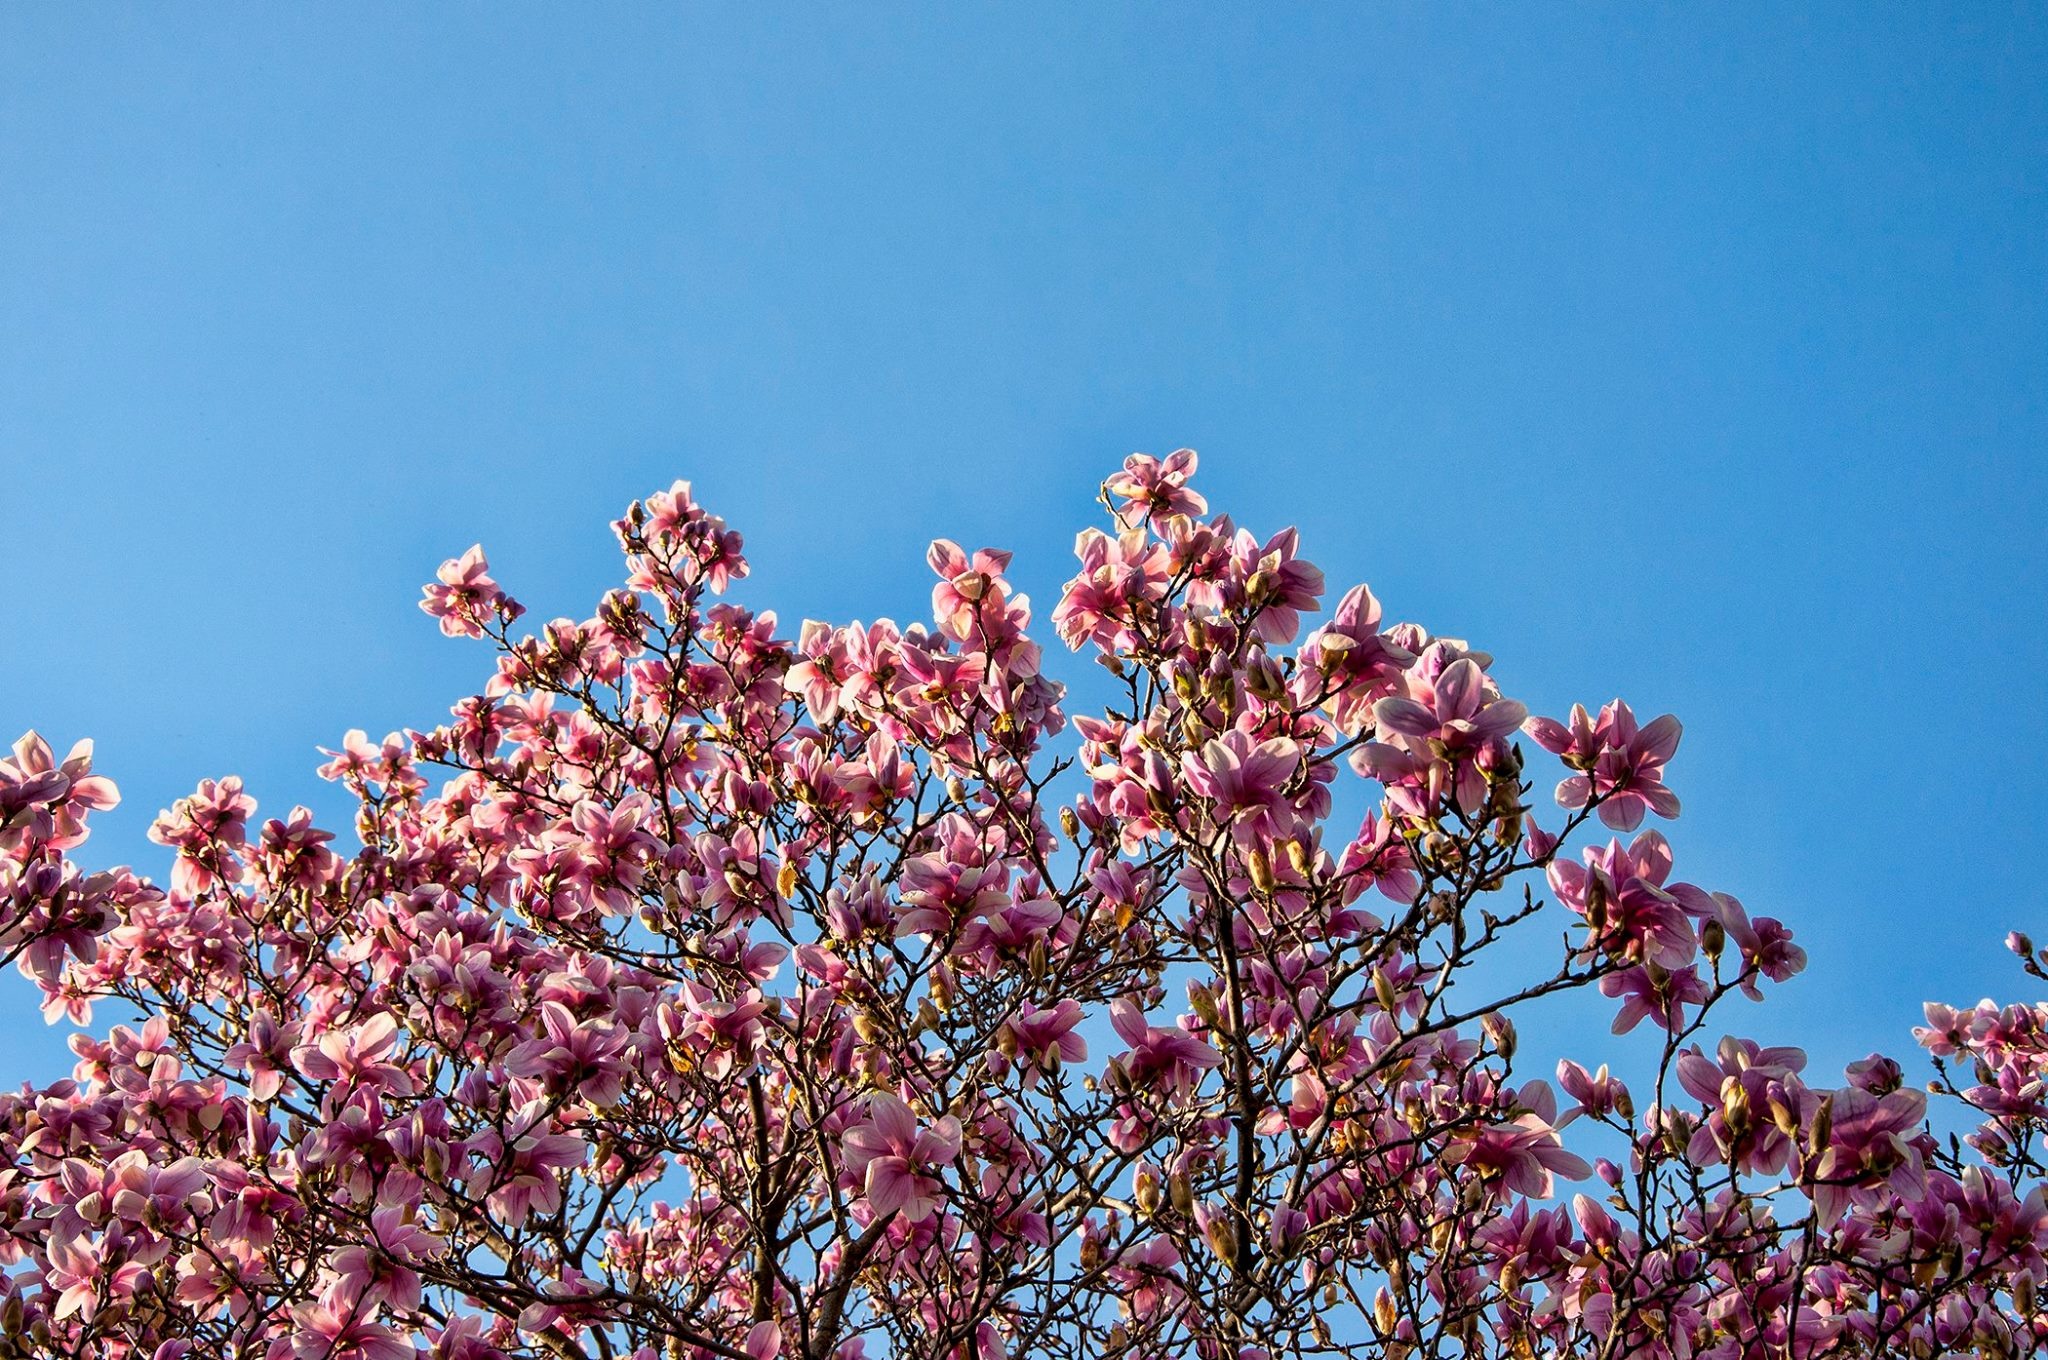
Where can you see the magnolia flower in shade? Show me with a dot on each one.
(1039, 1040)
(380, 1270)
(523, 1171)
(1871, 1141)
(1168, 1060)
(1622, 765)
(1522, 1154)
(897, 1161)
(1655, 993)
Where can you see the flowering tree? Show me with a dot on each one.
(698, 991)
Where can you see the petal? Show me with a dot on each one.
(1658, 742)
(1404, 716)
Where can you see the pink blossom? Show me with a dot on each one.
(1623, 766)
(1168, 1060)
(1155, 490)
(1246, 781)
(465, 599)
(898, 1160)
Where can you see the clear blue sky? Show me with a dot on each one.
(1697, 356)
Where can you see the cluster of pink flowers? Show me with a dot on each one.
(698, 990)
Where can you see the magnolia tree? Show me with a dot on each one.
(701, 991)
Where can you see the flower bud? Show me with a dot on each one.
(1181, 1192)
(1070, 822)
(1298, 858)
(1147, 1190)
(1383, 990)
(1260, 869)
(1501, 1031)
(1222, 1236)
(1263, 677)
(1713, 939)
(1823, 1124)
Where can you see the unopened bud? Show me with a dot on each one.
(1222, 1237)
(1070, 822)
(1181, 1193)
(1383, 990)
(1261, 871)
(1823, 1124)
(785, 880)
(1713, 939)
(1501, 1031)
(1735, 1103)
(1298, 858)
(1596, 904)
(1148, 1190)
(1263, 677)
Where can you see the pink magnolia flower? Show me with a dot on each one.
(380, 1271)
(897, 1161)
(964, 583)
(340, 1329)
(1167, 1060)
(1655, 993)
(465, 598)
(1121, 581)
(1622, 765)
(50, 800)
(1455, 709)
(1156, 491)
(1522, 1154)
(1040, 1040)
(1620, 891)
(579, 1056)
(1245, 781)
(360, 1056)
(1869, 1145)
(524, 1171)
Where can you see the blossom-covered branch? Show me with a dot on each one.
(699, 990)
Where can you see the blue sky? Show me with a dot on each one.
(1695, 356)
